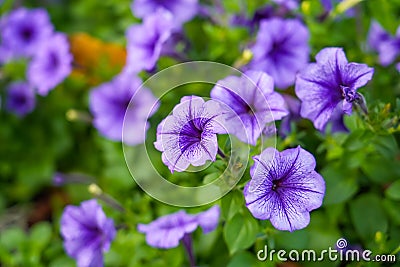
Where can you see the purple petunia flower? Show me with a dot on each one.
(167, 231)
(252, 102)
(87, 233)
(281, 49)
(21, 98)
(146, 41)
(284, 188)
(110, 103)
(330, 84)
(181, 10)
(23, 31)
(51, 64)
(387, 46)
(377, 35)
(189, 134)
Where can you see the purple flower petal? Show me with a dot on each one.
(208, 220)
(167, 231)
(181, 10)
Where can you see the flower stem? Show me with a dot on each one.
(188, 245)
(221, 153)
(95, 190)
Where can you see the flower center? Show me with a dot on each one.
(349, 94)
(27, 33)
(20, 100)
(190, 133)
(276, 184)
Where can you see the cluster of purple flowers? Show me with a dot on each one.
(146, 42)
(284, 186)
(29, 35)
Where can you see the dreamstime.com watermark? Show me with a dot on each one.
(340, 253)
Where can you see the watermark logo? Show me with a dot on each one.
(342, 252)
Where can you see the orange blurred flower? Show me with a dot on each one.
(93, 58)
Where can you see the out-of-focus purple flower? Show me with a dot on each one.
(58, 179)
(284, 188)
(181, 10)
(289, 4)
(51, 64)
(330, 82)
(189, 134)
(110, 103)
(398, 67)
(242, 20)
(387, 46)
(167, 231)
(145, 41)
(281, 49)
(377, 35)
(87, 233)
(252, 102)
(23, 31)
(21, 98)
(293, 105)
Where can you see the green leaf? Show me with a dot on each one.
(40, 235)
(393, 191)
(12, 238)
(240, 232)
(210, 177)
(231, 204)
(341, 184)
(367, 216)
(241, 259)
(391, 208)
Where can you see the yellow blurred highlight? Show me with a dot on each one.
(306, 7)
(95, 190)
(378, 237)
(345, 5)
(244, 59)
(89, 52)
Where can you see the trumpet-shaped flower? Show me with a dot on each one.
(189, 134)
(87, 233)
(281, 49)
(167, 231)
(330, 86)
(284, 188)
(252, 104)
